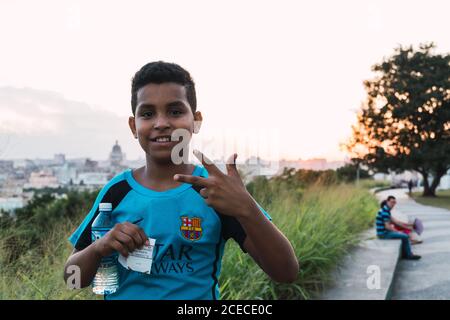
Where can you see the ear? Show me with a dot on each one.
(197, 121)
(132, 124)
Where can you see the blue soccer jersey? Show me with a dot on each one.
(190, 238)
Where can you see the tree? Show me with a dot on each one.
(404, 123)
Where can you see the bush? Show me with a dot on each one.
(348, 173)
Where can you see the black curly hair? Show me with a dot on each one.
(384, 202)
(161, 72)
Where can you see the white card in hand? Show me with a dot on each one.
(139, 260)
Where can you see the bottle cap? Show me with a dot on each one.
(105, 206)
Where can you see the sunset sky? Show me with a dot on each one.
(285, 74)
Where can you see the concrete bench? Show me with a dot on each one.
(369, 258)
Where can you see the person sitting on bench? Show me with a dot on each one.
(386, 228)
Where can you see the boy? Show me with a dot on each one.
(171, 197)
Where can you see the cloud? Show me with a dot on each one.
(37, 123)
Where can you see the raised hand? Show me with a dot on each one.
(226, 193)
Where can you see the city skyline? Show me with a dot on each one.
(106, 157)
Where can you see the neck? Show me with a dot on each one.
(162, 172)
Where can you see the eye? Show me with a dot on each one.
(176, 112)
(147, 114)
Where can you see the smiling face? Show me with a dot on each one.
(161, 109)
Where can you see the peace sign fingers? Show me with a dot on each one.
(208, 164)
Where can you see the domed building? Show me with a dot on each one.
(116, 156)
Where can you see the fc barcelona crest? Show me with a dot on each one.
(191, 228)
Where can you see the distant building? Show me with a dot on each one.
(92, 178)
(42, 179)
(6, 165)
(11, 188)
(3, 178)
(66, 173)
(317, 164)
(90, 165)
(59, 159)
(116, 156)
(25, 164)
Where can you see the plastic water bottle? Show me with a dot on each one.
(106, 280)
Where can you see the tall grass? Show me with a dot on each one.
(38, 273)
(322, 226)
(34, 248)
(322, 222)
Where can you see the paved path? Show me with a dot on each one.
(428, 278)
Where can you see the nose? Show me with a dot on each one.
(161, 122)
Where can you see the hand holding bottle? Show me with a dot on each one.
(123, 238)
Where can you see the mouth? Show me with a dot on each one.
(162, 139)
